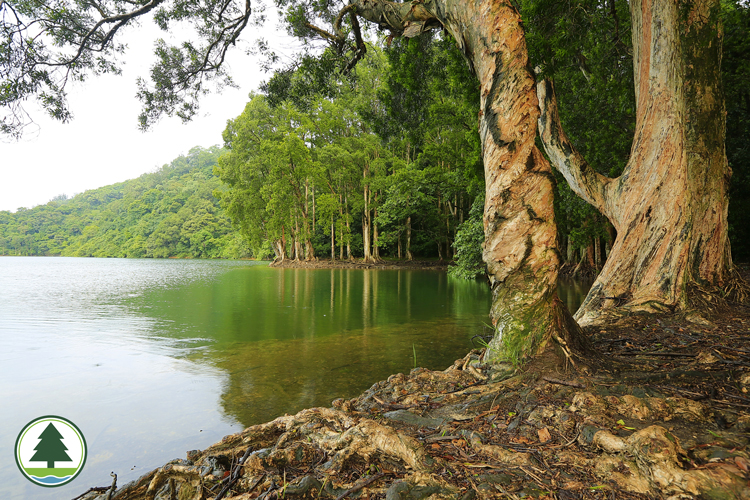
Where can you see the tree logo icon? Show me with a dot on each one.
(50, 451)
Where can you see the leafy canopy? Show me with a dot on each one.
(44, 45)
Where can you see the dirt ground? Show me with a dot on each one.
(672, 422)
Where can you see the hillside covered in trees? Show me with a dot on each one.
(168, 213)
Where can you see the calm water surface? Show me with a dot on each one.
(151, 358)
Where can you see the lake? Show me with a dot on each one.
(151, 358)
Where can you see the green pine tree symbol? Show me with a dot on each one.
(51, 448)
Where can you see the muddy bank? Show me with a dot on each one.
(675, 424)
(439, 265)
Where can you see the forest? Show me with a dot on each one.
(168, 213)
(385, 162)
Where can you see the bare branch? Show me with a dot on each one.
(340, 18)
(360, 48)
(120, 19)
(325, 34)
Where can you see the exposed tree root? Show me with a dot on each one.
(468, 432)
(713, 300)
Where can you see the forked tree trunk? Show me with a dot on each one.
(669, 206)
(520, 232)
(279, 250)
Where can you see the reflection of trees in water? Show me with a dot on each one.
(294, 338)
(288, 339)
(339, 331)
(573, 291)
(270, 378)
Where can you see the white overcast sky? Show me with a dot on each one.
(102, 144)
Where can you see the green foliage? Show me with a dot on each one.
(45, 45)
(468, 244)
(585, 46)
(410, 185)
(735, 68)
(427, 118)
(168, 213)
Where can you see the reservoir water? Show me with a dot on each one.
(152, 358)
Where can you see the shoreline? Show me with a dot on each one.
(474, 432)
(666, 420)
(436, 265)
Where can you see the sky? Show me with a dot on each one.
(102, 144)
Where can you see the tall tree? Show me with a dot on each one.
(269, 170)
(677, 175)
(669, 206)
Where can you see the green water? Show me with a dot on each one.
(153, 358)
(289, 339)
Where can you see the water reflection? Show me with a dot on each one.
(73, 344)
(152, 358)
(294, 338)
(573, 291)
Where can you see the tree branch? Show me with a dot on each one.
(587, 183)
(408, 19)
(360, 48)
(120, 19)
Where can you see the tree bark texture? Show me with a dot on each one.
(669, 206)
(520, 232)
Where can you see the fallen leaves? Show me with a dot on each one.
(544, 435)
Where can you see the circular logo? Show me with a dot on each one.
(50, 451)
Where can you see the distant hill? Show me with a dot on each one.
(168, 213)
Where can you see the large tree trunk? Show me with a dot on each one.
(520, 232)
(669, 206)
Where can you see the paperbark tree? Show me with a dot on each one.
(520, 232)
(669, 206)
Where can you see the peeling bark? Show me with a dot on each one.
(669, 206)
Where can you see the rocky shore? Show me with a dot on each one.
(676, 424)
